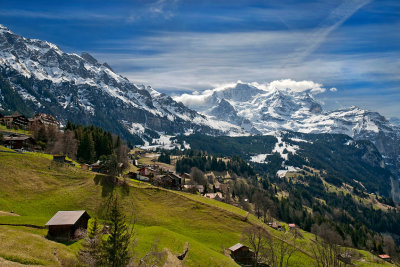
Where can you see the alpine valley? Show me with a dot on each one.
(270, 153)
(36, 76)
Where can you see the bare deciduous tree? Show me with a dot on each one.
(326, 247)
(257, 239)
(280, 251)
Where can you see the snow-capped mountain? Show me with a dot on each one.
(36, 76)
(290, 105)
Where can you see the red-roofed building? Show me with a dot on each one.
(385, 257)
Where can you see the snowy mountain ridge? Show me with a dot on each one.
(288, 105)
(82, 89)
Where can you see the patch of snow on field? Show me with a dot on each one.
(164, 142)
(136, 128)
(348, 143)
(260, 158)
(300, 140)
(282, 173)
(186, 145)
(281, 146)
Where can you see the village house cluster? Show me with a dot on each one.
(21, 141)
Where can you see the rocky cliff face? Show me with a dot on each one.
(36, 76)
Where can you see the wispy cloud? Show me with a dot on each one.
(334, 20)
(163, 8)
(66, 15)
(199, 60)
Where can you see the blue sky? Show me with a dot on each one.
(183, 45)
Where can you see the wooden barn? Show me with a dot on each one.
(242, 254)
(169, 180)
(16, 141)
(65, 223)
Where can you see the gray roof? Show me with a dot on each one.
(65, 217)
(17, 138)
(236, 247)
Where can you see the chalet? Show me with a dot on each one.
(216, 196)
(65, 223)
(147, 171)
(59, 158)
(198, 188)
(242, 254)
(385, 257)
(292, 226)
(44, 119)
(16, 120)
(275, 225)
(169, 180)
(17, 141)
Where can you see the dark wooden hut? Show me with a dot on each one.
(242, 254)
(65, 223)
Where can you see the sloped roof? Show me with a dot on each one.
(17, 138)
(384, 256)
(236, 247)
(66, 217)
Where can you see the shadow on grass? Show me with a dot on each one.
(63, 240)
(107, 184)
(125, 188)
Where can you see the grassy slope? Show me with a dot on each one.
(35, 188)
(20, 131)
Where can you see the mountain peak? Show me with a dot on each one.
(2, 27)
(89, 58)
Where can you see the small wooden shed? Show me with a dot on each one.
(385, 257)
(65, 223)
(242, 254)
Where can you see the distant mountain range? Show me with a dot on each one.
(265, 109)
(36, 76)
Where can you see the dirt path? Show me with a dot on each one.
(5, 213)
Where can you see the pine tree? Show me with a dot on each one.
(86, 151)
(116, 246)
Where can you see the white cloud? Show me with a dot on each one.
(193, 100)
(199, 99)
(302, 86)
(333, 89)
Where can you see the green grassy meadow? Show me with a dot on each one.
(35, 188)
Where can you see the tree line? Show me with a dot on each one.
(207, 163)
(86, 144)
